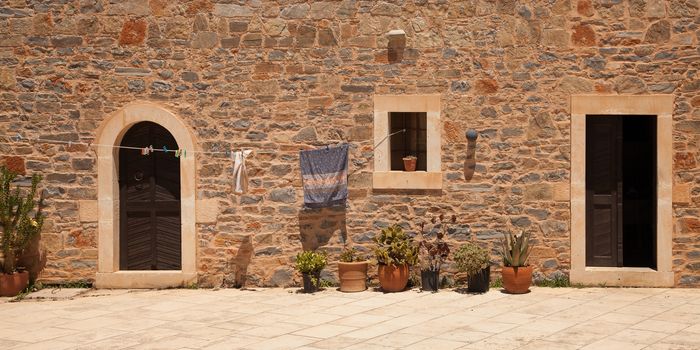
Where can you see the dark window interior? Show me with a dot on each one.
(621, 191)
(412, 142)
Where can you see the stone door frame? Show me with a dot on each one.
(110, 133)
(660, 106)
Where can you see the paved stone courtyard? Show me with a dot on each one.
(546, 318)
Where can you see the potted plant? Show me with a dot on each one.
(517, 273)
(395, 253)
(19, 224)
(352, 271)
(409, 163)
(310, 264)
(433, 254)
(474, 260)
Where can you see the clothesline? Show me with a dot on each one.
(147, 149)
(20, 138)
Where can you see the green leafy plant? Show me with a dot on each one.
(311, 262)
(19, 220)
(349, 255)
(471, 258)
(516, 249)
(395, 247)
(497, 283)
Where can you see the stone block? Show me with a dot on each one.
(681, 193)
(561, 192)
(539, 192)
(87, 210)
(232, 10)
(555, 37)
(207, 211)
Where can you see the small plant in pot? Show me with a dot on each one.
(352, 271)
(395, 253)
(20, 222)
(433, 253)
(474, 261)
(517, 273)
(409, 163)
(310, 264)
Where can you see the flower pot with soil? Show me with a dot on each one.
(409, 163)
(20, 222)
(433, 253)
(474, 261)
(352, 271)
(310, 264)
(517, 273)
(395, 254)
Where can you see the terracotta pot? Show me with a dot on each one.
(11, 285)
(409, 164)
(353, 276)
(517, 280)
(393, 278)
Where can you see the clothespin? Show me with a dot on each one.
(177, 153)
(144, 151)
(19, 137)
(165, 149)
(70, 143)
(150, 149)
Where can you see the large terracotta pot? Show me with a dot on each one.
(353, 276)
(393, 278)
(11, 285)
(517, 280)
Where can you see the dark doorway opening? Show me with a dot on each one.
(149, 189)
(621, 191)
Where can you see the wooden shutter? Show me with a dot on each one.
(603, 191)
(150, 225)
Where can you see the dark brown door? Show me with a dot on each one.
(149, 201)
(603, 183)
(621, 191)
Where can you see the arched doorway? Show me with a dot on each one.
(149, 201)
(111, 272)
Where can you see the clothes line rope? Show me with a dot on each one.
(18, 138)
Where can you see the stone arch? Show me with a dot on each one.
(111, 132)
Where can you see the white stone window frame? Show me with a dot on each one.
(660, 107)
(383, 177)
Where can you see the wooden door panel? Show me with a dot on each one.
(602, 182)
(150, 235)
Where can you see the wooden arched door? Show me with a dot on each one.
(149, 189)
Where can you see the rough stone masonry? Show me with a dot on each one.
(277, 76)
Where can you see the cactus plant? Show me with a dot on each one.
(19, 220)
(516, 249)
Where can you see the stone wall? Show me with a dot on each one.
(276, 77)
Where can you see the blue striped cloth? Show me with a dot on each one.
(324, 175)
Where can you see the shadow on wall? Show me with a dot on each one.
(317, 227)
(237, 276)
(470, 162)
(34, 259)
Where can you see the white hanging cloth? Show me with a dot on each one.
(240, 174)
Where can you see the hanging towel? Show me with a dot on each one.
(240, 174)
(324, 175)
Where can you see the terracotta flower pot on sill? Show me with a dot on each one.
(11, 285)
(409, 163)
(353, 276)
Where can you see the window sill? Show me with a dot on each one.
(407, 180)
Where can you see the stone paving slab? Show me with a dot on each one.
(56, 293)
(546, 318)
